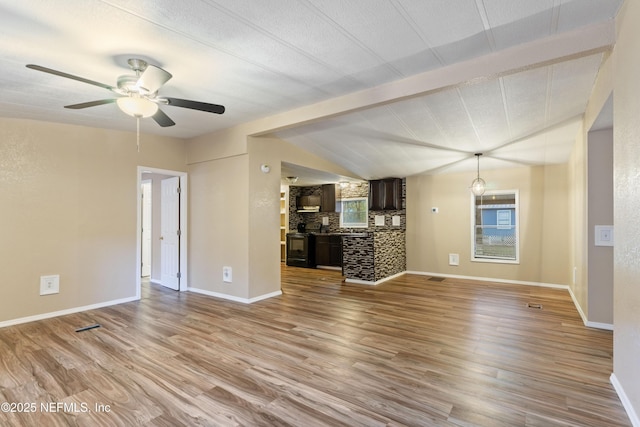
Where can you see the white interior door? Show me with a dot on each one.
(170, 233)
(145, 255)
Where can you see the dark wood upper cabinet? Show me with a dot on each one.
(307, 201)
(328, 198)
(385, 194)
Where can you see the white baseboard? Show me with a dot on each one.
(234, 298)
(626, 403)
(360, 282)
(489, 279)
(587, 323)
(65, 312)
(599, 325)
(367, 282)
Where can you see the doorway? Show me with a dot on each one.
(169, 191)
(146, 232)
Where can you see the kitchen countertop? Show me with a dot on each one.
(361, 234)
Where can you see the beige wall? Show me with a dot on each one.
(218, 218)
(544, 220)
(597, 306)
(578, 228)
(600, 212)
(235, 210)
(264, 206)
(69, 202)
(626, 347)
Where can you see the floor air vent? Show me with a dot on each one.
(436, 279)
(87, 328)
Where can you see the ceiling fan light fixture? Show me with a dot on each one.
(137, 107)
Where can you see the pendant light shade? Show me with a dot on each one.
(478, 185)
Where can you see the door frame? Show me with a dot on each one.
(148, 232)
(184, 235)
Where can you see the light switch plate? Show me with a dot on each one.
(604, 235)
(379, 220)
(454, 259)
(227, 274)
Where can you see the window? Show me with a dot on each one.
(494, 236)
(354, 213)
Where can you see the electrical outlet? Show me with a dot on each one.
(226, 274)
(454, 259)
(49, 284)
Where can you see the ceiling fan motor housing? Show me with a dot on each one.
(128, 83)
(137, 65)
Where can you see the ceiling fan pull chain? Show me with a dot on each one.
(138, 133)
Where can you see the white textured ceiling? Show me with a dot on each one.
(381, 87)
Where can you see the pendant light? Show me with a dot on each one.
(478, 184)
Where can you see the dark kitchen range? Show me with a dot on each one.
(301, 245)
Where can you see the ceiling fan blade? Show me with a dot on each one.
(162, 119)
(195, 105)
(90, 104)
(68, 76)
(153, 78)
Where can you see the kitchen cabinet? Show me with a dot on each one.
(385, 194)
(328, 202)
(329, 250)
(308, 201)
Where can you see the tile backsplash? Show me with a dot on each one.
(351, 191)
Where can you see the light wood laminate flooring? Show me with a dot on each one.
(412, 351)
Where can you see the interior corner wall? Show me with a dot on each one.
(543, 210)
(235, 210)
(600, 212)
(264, 217)
(626, 252)
(264, 206)
(578, 223)
(69, 202)
(219, 213)
(578, 188)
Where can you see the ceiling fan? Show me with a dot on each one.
(138, 94)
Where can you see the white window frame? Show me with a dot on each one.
(490, 259)
(358, 224)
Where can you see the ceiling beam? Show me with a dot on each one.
(555, 49)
